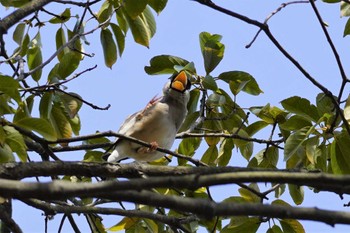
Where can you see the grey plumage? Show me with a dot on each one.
(157, 124)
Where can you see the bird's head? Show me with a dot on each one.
(179, 82)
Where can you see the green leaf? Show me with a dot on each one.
(6, 154)
(164, 64)
(5, 108)
(140, 29)
(68, 64)
(105, 12)
(295, 122)
(210, 155)
(340, 150)
(10, 86)
(215, 100)
(274, 229)
(60, 41)
(295, 141)
(135, 7)
(240, 80)
(297, 193)
(19, 33)
(16, 142)
(193, 102)
(239, 224)
(212, 50)
(119, 37)
(39, 125)
(255, 127)
(24, 45)
(225, 152)
(72, 103)
(291, 226)
(209, 83)
(34, 57)
(311, 149)
(109, 47)
(248, 195)
(93, 156)
(59, 120)
(45, 105)
(157, 5)
(324, 104)
(270, 115)
(267, 158)
(61, 18)
(301, 107)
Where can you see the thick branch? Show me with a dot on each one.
(162, 177)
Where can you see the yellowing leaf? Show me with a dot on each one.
(124, 224)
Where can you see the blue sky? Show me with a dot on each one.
(128, 88)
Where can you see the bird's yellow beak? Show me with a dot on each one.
(179, 83)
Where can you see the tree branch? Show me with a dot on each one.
(13, 18)
(265, 28)
(54, 209)
(190, 178)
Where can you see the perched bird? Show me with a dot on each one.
(157, 123)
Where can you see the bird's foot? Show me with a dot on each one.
(144, 150)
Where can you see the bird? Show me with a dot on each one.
(157, 124)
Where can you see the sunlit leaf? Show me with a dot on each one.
(347, 109)
(125, 223)
(344, 8)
